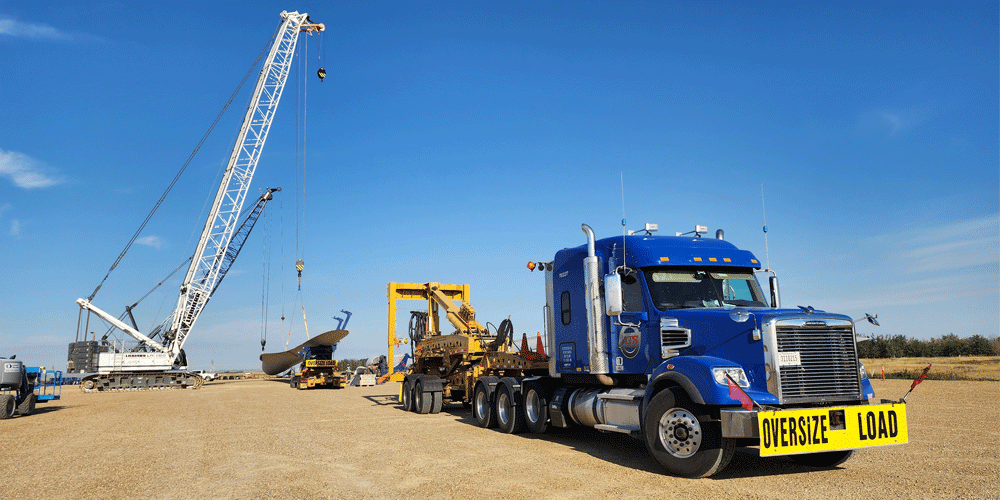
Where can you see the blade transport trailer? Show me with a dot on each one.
(669, 339)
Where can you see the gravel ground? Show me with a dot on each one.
(253, 439)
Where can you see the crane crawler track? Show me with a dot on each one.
(140, 381)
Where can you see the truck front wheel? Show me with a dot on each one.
(682, 438)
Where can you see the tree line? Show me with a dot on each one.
(900, 346)
(895, 346)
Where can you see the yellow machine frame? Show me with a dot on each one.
(438, 296)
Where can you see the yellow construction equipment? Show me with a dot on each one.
(447, 366)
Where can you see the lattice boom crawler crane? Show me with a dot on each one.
(669, 339)
(158, 361)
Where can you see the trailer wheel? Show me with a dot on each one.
(27, 407)
(482, 408)
(823, 460)
(437, 402)
(536, 408)
(421, 400)
(509, 417)
(682, 439)
(6, 406)
(406, 395)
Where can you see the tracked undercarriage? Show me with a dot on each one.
(140, 381)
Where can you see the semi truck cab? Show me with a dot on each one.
(650, 334)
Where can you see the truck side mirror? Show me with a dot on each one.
(613, 294)
(775, 294)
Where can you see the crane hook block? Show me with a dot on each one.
(321, 73)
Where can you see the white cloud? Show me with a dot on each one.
(955, 262)
(15, 227)
(25, 171)
(949, 247)
(151, 241)
(893, 122)
(965, 287)
(12, 27)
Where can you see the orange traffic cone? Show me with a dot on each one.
(524, 345)
(539, 348)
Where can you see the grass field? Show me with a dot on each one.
(956, 368)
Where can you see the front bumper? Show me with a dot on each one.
(811, 430)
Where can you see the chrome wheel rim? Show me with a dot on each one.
(481, 405)
(503, 407)
(532, 406)
(680, 433)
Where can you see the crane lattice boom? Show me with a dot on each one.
(210, 255)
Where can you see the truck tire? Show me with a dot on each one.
(406, 395)
(682, 439)
(509, 414)
(27, 407)
(536, 407)
(482, 405)
(825, 459)
(6, 406)
(421, 400)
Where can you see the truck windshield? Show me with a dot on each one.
(685, 288)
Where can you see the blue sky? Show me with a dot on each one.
(454, 142)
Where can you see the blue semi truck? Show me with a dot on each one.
(671, 339)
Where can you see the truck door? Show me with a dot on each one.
(630, 340)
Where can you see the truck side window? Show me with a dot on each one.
(631, 293)
(564, 307)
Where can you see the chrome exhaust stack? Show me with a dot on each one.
(596, 335)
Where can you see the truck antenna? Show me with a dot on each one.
(622, 175)
(767, 255)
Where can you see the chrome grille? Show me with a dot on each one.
(829, 363)
(675, 338)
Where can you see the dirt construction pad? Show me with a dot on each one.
(252, 439)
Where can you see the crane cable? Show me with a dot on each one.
(265, 281)
(300, 217)
(184, 167)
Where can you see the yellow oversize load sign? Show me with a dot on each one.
(788, 432)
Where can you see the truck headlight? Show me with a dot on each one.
(736, 374)
(862, 370)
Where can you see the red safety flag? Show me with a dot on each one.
(736, 393)
(921, 377)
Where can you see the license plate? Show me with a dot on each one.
(789, 432)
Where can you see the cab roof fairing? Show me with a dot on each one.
(645, 250)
